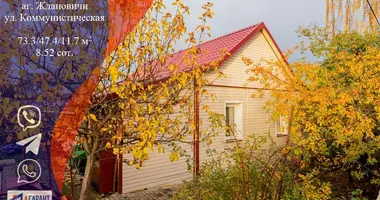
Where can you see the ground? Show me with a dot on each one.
(158, 193)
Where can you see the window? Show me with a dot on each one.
(234, 119)
(230, 119)
(281, 126)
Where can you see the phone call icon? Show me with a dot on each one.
(29, 116)
(28, 171)
(31, 120)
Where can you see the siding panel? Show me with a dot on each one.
(160, 171)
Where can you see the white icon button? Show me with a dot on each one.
(29, 116)
(33, 143)
(28, 171)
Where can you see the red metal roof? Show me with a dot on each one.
(211, 51)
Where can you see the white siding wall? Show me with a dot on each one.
(160, 171)
(255, 118)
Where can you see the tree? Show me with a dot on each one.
(142, 91)
(352, 14)
(144, 98)
(334, 109)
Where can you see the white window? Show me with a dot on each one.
(234, 119)
(281, 126)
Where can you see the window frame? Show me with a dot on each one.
(278, 132)
(238, 118)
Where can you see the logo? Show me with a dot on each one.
(33, 143)
(29, 116)
(28, 171)
(29, 195)
(16, 197)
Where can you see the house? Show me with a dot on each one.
(233, 98)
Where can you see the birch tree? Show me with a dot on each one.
(352, 15)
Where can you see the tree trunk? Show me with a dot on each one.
(86, 183)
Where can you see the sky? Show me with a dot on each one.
(282, 17)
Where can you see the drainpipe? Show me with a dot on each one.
(120, 175)
(290, 124)
(196, 131)
(120, 163)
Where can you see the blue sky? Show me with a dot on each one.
(282, 17)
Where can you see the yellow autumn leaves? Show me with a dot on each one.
(333, 105)
(144, 99)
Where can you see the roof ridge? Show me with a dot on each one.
(228, 34)
(220, 37)
(232, 42)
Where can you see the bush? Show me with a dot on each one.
(256, 170)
